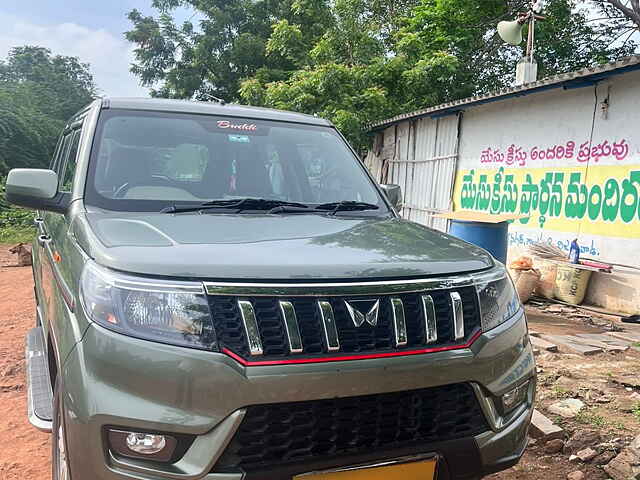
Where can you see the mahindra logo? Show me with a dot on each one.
(245, 127)
(363, 311)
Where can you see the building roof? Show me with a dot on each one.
(211, 108)
(580, 78)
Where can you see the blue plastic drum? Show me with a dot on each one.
(493, 237)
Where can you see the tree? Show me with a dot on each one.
(626, 10)
(231, 43)
(38, 93)
(445, 50)
(566, 41)
(355, 61)
(621, 17)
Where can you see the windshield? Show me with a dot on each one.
(150, 161)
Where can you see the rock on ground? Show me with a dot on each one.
(604, 458)
(543, 428)
(577, 475)
(567, 408)
(582, 439)
(627, 464)
(587, 454)
(554, 446)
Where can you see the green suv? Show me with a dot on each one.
(224, 293)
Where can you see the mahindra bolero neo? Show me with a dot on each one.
(225, 293)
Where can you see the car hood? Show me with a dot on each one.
(272, 247)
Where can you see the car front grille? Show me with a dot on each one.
(273, 332)
(276, 434)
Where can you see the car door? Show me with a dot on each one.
(38, 244)
(57, 296)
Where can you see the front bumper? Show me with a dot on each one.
(113, 380)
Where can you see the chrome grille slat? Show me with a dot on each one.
(430, 325)
(458, 315)
(291, 327)
(250, 324)
(329, 326)
(399, 323)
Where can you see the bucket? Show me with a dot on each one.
(490, 236)
(571, 284)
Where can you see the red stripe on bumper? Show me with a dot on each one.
(422, 351)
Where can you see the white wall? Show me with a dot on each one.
(606, 221)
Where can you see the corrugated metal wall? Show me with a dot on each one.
(421, 157)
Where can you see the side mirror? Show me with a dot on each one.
(35, 188)
(394, 194)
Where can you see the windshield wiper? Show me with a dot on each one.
(346, 205)
(326, 208)
(238, 204)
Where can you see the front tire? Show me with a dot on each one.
(59, 452)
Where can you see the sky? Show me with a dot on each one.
(89, 29)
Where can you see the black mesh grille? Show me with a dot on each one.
(353, 340)
(292, 432)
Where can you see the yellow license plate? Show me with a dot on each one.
(421, 470)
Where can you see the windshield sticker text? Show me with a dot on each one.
(244, 127)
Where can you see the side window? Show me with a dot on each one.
(63, 146)
(67, 174)
(56, 153)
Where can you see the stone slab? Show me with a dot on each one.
(543, 344)
(568, 342)
(544, 429)
(631, 337)
(605, 342)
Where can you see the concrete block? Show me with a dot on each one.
(544, 429)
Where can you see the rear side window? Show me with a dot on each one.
(56, 154)
(63, 148)
(67, 175)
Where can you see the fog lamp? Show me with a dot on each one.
(150, 446)
(145, 443)
(515, 397)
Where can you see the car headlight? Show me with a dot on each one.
(170, 312)
(498, 298)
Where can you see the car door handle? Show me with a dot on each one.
(44, 240)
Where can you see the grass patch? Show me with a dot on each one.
(16, 224)
(13, 235)
(637, 344)
(619, 426)
(636, 411)
(589, 418)
(561, 392)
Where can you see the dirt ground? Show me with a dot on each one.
(598, 381)
(24, 451)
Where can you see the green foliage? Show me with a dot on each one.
(590, 418)
(38, 93)
(355, 61)
(561, 392)
(16, 224)
(636, 411)
(235, 40)
(14, 235)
